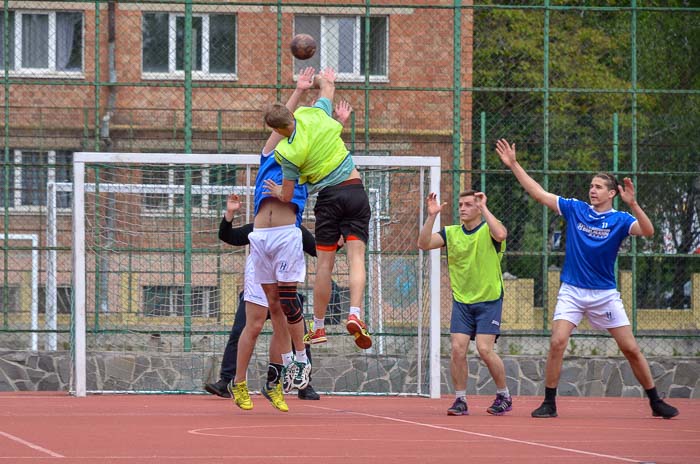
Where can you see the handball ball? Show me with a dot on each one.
(303, 46)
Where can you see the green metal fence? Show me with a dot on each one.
(579, 86)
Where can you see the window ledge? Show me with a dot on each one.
(41, 74)
(181, 76)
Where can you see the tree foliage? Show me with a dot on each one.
(591, 77)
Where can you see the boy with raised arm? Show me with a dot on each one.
(594, 233)
(312, 153)
(475, 248)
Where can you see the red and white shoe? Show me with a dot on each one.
(317, 336)
(358, 329)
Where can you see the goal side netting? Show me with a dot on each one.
(155, 291)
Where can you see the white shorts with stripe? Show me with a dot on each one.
(277, 254)
(603, 308)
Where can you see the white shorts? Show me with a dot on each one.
(252, 292)
(277, 254)
(604, 308)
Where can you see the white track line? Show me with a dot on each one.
(483, 435)
(31, 445)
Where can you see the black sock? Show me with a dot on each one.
(550, 395)
(274, 372)
(652, 394)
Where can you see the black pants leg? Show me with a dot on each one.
(228, 363)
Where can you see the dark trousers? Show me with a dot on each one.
(228, 363)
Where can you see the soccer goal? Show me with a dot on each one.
(155, 291)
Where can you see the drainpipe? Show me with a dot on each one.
(108, 174)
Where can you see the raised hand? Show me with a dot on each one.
(506, 152)
(328, 74)
(305, 79)
(626, 192)
(480, 198)
(433, 206)
(342, 111)
(233, 203)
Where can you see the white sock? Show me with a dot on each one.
(319, 323)
(287, 358)
(301, 357)
(503, 392)
(354, 310)
(461, 394)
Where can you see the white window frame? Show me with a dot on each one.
(66, 299)
(51, 71)
(200, 210)
(204, 74)
(174, 292)
(356, 75)
(17, 205)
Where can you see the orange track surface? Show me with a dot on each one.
(53, 427)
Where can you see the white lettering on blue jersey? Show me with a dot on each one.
(592, 242)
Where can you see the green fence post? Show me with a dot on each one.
(219, 132)
(482, 164)
(545, 167)
(633, 37)
(616, 160)
(187, 342)
(456, 102)
(6, 169)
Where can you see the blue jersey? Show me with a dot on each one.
(269, 169)
(592, 242)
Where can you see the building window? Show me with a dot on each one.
(64, 297)
(175, 178)
(33, 170)
(169, 301)
(12, 295)
(44, 42)
(341, 44)
(213, 45)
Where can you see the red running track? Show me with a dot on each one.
(56, 428)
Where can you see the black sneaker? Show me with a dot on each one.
(308, 394)
(545, 410)
(660, 408)
(458, 408)
(501, 405)
(219, 388)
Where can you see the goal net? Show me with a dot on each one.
(155, 291)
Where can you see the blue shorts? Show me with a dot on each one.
(477, 318)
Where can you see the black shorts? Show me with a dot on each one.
(342, 210)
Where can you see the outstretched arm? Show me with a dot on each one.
(498, 231)
(535, 190)
(304, 82)
(326, 83)
(428, 240)
(643, 226)
(236, 236)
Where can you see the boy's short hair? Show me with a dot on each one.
(278, 116)
(610, 180)
(467, 193)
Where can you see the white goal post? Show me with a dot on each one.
(80, 186)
